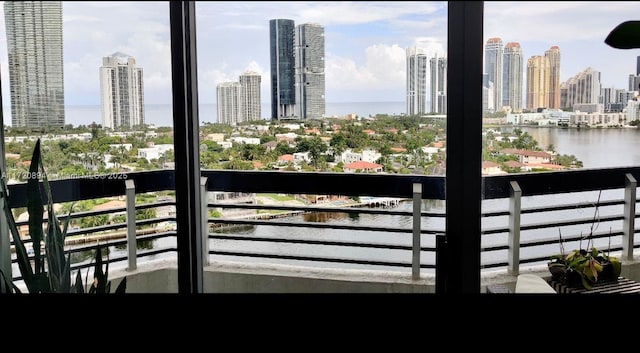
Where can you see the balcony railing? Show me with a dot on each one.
(523, 215)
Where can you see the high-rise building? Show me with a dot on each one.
(538, 84)
(283, 94)
(416, 81)
(229, 103)
(36, 78)
(250, 96)
(634, 82)
(487, 93)
(438, 74)
(584, 88)
(553, 55)
(512, 76)
(638, 65)
(122, 92)
(239, 101)
(297, 70)
(309, 71)
(493, 55)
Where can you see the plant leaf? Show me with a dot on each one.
(122, 286)
(79, 287)
(35, 207)
(24, 264)
(98, 274)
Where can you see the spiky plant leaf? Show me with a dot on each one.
(78, 287)
(101, 280)
(8, 287)
(35, 208)
(56, 261)
(24, 264)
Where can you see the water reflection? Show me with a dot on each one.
(140, 245)
(324, 216)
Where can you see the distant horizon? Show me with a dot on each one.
(160, 114)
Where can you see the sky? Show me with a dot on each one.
(365, 42)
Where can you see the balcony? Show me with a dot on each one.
(519, 232)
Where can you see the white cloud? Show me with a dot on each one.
(383, 70)
(365, 41)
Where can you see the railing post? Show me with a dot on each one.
(514, 228)
(205, 221)
(628, 224)
(131, 224)
(441, 263)
(417, 208)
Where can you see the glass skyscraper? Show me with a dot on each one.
(297, 70)
(283, 97)
(309, 70)
(493, 53)
(36, 79)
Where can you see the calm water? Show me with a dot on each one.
(596, 148)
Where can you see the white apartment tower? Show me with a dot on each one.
(250, 96)
(438, 69)
(229, 101)
(122, 92)
(416, 81)
(584, 88)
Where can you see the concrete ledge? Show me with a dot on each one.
(161, 276)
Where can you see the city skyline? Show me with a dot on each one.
(365, 42)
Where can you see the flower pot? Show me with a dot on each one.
(560, 272)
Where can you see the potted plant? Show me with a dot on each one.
(584, 267)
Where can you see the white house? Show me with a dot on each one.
(154, 152)
(245, 140)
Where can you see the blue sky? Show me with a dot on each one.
(365, 42)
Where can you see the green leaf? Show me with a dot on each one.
(7, 287)
(35, 207)
(586, 283)
(98, 274)
(24, 264)
(617, 266)
(79, 287)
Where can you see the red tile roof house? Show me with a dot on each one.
(363, 167)
(491, 168)
(529, 157)
(285, 158)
